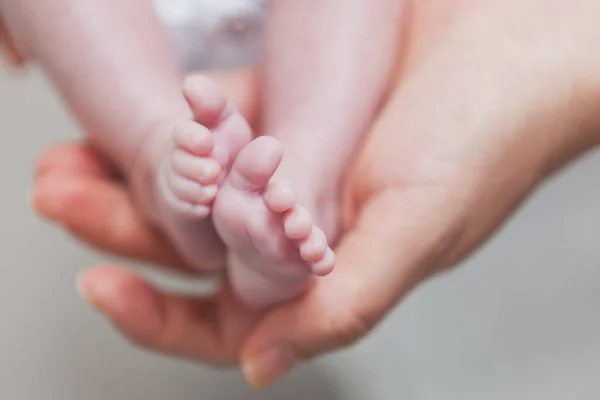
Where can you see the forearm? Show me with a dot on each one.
(327, 63)
(110, 61)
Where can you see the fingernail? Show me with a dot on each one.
(48, 204)
(263, 369)
(82, 290)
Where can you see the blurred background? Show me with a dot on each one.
(518, 321)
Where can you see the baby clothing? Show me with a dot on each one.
(204, 34)
(213, 34)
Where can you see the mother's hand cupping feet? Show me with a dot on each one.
(463, 140)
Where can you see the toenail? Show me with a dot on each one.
(325, 265)
(281, 197)
(200, 211)
(312, 251)
(210, 170)
(209, 193)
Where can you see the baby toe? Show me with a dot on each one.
(193, 138)
(313, 248)
(207, 99)
(280, 197)
(202, 170)
(191, 192)
(298, 224)
(325, 265)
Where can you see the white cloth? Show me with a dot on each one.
(213, 34)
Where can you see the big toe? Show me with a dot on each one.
(207, 100)
(256, 164)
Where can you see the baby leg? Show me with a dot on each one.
(198, 156)
(322, 86)
(111, 62)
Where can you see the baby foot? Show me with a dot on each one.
(274, 246)
(199, 156)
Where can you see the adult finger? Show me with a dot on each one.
(74, 190)
(100, 212)
(72, 157)
(410, 231)
(209, 330)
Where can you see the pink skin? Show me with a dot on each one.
(273, 244)
(112, 64)
(320, 101)
(199, 155)
(318, 113)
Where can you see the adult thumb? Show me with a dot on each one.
(401, 237)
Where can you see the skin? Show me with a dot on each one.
(313, 106)
(118, 76)
(430, 185)
(311, 102)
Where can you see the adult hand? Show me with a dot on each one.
(78, 189)
(482, 116)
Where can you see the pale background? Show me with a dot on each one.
(519, 321)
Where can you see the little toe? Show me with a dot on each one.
(193, 138)
(202, 170)
(280, 197)
(313, 248)
(325, 265)
(256, 164)
(298, 224)
(191, 192)
(186, 209)
(207, 100)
